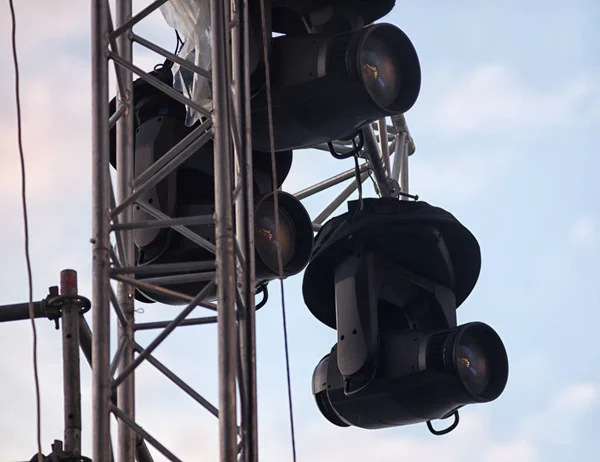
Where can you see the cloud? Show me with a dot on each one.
(494, 99)
(556, 424)
(456, 178)
(584, 232)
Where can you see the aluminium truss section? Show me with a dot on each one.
(114, 223)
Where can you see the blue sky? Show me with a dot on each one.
(505, 131)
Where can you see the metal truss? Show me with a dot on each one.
(233, 272)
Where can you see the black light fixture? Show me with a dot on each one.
(332, 71)
(389, 277)
(189, 192)
(326, 87)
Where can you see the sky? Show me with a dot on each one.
(505, 129)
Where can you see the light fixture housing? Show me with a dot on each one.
(389, 277)
(327, 87)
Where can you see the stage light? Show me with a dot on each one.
(326, 87)
(389, 278)
(189, 192)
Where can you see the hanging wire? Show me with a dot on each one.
(276, 215)
(40, 456)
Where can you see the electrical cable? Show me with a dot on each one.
(40, 456)
(276, 216)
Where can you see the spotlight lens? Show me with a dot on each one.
(380, 71)
(472, 364)
(265, 236)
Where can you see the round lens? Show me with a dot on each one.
(380, 71)
(472, 364)
(265, 235)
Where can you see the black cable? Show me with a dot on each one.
(265, 291)
(26, 230)
(447, 430)
(179, 44)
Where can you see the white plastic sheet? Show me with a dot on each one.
(191, 18)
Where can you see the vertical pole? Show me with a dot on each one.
(100, 239)
(71, 370)
(125, 160)
(383, 144)
(245, 232)
(404, 172)
(226, 289)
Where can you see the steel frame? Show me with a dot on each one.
(233, 271)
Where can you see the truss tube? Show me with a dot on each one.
(339, 200)
(404, 172)
(384, 146)
(144, 434)
(161, 51)
(224, 236)
(245, 232)
(165, 171)
(101, 451)
(377, 165)
(398, 156)
(125, 292)
(180, 383)
(334, 180)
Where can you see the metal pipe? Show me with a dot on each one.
(334, 180)
(163, 335)
(191, 235)
(20, 311)
(116, 307)
(85, 343)
(185, 154)
(167, 223)
(141, 451)
(404, 174)
(339, 200)
(121, 416)
(158, 84)
(125, 292)
(185, 322)
(116, 219)
(117, 359)
(398, 153)
(224, 236)
(114, 47)
(383, 145)
(377, 167)
(135, 19)
(173, 153)
(245, 234)
(71, 369)
(100, 235)
(167, 54)
(112, 121)
(182, 278)
(400, 126)
(162, 290)
(166, 268)
(180, 383)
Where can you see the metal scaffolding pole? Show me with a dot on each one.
(125, 292)
(101, 388)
